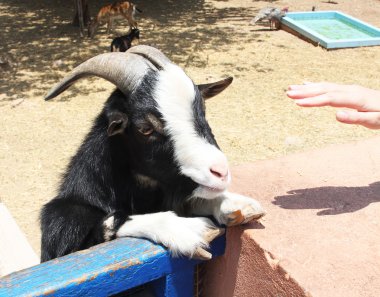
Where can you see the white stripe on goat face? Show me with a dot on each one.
(175, 95)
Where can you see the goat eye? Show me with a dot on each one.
(146, 130)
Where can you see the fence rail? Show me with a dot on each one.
(108, 269)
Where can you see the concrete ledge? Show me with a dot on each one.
(321, 236)
(15, 251)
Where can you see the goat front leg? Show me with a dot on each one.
(182, 236)
(68, 226)
(109, 26)
(229, 209)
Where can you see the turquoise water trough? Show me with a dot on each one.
(333, 29)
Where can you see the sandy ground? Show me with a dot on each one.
(252, 120)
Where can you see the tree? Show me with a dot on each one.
(81, 16)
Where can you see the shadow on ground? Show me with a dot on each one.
(331, 200)
(39, 35)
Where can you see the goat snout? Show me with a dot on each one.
(220, 171)
(213, 177)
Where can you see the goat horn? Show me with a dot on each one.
(153, 55)
(125, 70)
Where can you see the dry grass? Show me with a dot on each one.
(211, 39)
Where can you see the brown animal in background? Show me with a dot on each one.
(109, 13)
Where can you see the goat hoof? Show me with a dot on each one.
(235, 218)
(238, 209)
(202, 254)
(211, 234)
(239, 217)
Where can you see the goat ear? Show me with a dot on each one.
(213, 89)
(117, 122)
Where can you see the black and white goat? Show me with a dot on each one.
(150, 166)
(123, 43)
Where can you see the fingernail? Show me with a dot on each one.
(292, 87)
(291, 93)
(342, 115)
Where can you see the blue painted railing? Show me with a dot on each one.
(107, 269)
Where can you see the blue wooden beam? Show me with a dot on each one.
(107, 269)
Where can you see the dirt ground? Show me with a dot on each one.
(252, 120)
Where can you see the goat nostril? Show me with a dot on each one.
(219, 171)
(216, 173)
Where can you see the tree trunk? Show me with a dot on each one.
(85, 12)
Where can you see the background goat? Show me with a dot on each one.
(115, 11)
(149, 164)
(123, 43)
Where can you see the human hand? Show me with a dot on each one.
(364, 102)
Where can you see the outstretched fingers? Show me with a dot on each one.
(308, 90)
(326, 94)
(334, 99)
(335, 95)
(367, 119)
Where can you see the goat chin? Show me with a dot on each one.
(207, 192)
